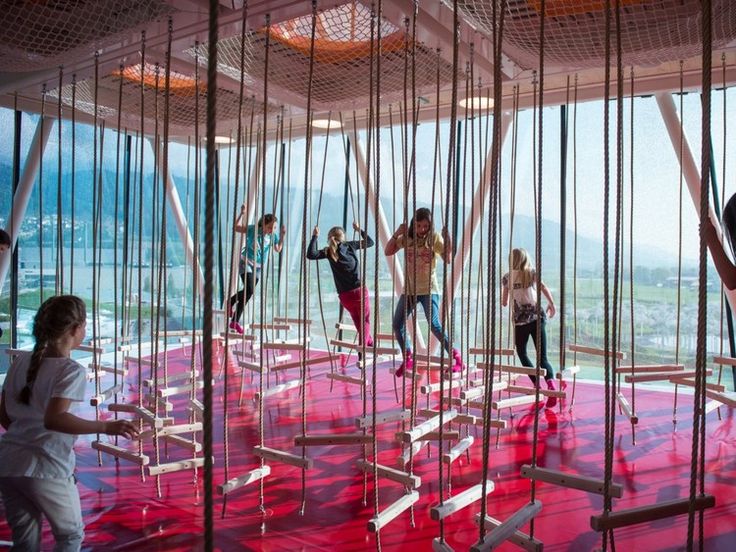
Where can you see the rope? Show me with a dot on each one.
(59, 287)
(73, 176)
(41, 122)
(679, 239)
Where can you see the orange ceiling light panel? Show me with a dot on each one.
(179, 83)
(342, 34)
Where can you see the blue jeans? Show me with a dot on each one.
(407, 305)
(28, 499)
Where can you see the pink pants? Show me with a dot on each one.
(350, 300)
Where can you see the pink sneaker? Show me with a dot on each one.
(407, 364)
(369, 342)
(237, 328)
(551, 401)
(459, 366)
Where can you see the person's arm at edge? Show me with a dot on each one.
(724, 266)
(551, 310)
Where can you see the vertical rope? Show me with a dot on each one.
(59, 287)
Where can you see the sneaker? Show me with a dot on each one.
(369, 342)
(407, 364)
(551, 401)
(237, 328)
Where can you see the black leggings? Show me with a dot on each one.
(243, 296)
(521, 338)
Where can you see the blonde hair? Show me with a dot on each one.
(519, 261)
(335, 237)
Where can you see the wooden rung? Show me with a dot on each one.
(120, 452)
(384, 337)
(406, 479)
(234, 337)
(728, 398)
(346, 379)
(386, 516)
(109, 369)
(570, 480)
(179, 333)
(438, 545)
(196, 405)
(171, 391)
(283, 346)
(275, 327)
(243, 480)
(513, 401)
(100, 341)
(626, 408)
(188, 444)
(712, 405)
(429, 388)
(645, 368)
(520, 539)
(508, 528)
(170, 430)
(460, 501)
(645, 514)
(464, 444)
(337, 439)
(427, 427)
(176, 378)
(477, 392)
(299, 321)
(253, 366)
(569, 371)
(345, 327)
(105, 395)
(437, 361)
(532, 391)
(496, 352)
(284, 457)
(403, 458)
(459, 419)
(659, 376)
(142, 413)
(276, 389)
(450, 435)
(357, 347)
(383, 418)
(407, 373)
(513, 369)
(717, 387)
(727, 361)
(297, 363)
(89, 349)
(594, 351)
(171, 467)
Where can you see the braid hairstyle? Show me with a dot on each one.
(335, 237)
(55, 317)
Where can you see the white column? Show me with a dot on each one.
(25, 187)
(172, 195)
(689, 169)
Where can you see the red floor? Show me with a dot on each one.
(122, 512)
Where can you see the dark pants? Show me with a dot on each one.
(243, 296)
(521, 338)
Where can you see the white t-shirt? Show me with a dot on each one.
(27, 448)
(524, 298)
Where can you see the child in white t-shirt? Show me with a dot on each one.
(519, 282)
(37, 449)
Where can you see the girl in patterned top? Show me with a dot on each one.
(519, 282)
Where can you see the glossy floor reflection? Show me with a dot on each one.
(122, 512)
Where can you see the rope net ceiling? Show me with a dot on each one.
(652, 31)
(183, 92)
(36, 34)
(341, 59)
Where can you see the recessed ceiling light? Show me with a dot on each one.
(325, 123)
(477, 102)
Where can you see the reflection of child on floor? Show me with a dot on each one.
(37, 448)
(519, 282)
(724, 265)
(423, 246)
(345, 265)
(258, 241)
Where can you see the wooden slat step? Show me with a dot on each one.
(427, 427)
(253, 366)
(284, 457)
(464, 444)
(279, 346)
(531, 391)
(172, 467)
(175, 378)
(495, 352)
(594, 351)
(187, 444)
(335, 439)
(508, 528)
(275, 327)
(645, 368)
(717, 387)
(171, 391)
(460, 501)
(106, 395)
(276, 389)
(89, 349)
(170, 430)
(120, 452)
(415, 447)
(724, 360)
(570, 480)
(646, 514)
(459, 419)
(354, 380)
(393, 511)
(520, 539)
(298, 321)
(109, 368)
(569, 371)
(626, 408)
(728, 398)
(406, 479)
(243, 480)
(659, 376)
(383, 418)
(512, 368)
(234, 337)
(513, 401)
(356, 347)
(407, 374)
(142, 413)
(311, 361)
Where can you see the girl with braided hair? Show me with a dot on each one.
(345, 265)
(37, 449)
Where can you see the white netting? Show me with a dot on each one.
(38, 35)
(341, 59)
(182, 98)
(652, 31)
